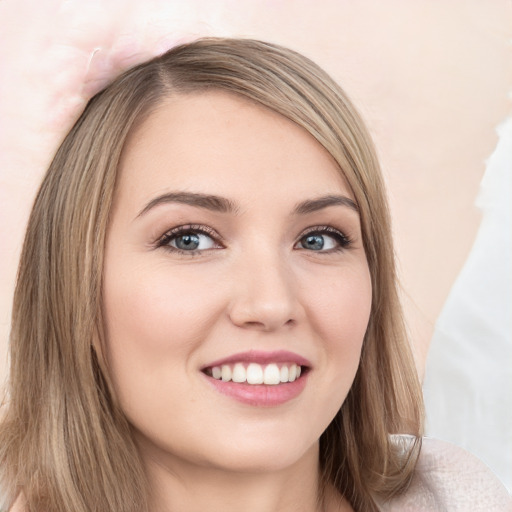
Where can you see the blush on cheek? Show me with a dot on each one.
(344, 312)
(159, 317)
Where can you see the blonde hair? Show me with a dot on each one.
(64, 442)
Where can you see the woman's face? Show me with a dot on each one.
(234, 253)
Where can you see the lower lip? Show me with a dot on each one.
(260, 395)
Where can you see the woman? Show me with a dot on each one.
(206, 312)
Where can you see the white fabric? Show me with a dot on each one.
(468, 381)
(450, 479)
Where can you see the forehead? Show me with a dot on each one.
(224, 144)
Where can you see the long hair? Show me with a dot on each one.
(64, 441)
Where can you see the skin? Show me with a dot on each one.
(251, 286)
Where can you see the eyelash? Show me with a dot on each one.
(196, 229)
(343, 240)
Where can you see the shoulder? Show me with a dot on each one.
(451, 479)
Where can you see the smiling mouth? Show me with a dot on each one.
(253, 373)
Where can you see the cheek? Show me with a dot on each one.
(153, 324)
(156, 311)
(341, 309)
(339, 317)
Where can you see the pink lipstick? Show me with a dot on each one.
(259, 378)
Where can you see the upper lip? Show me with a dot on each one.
(261, 357)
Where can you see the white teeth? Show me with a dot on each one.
(255, 373)
(272, 375)
(239, 373)
(226, 372)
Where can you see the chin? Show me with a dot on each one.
(256, 461)
(262, 453)
(240, 451)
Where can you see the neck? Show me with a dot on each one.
(178, 485)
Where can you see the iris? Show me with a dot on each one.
(314, 242)
(187, 242)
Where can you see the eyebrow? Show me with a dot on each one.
(224, 205)
(313, 205)
(206, 201)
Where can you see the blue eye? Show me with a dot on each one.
(189, 239)
(191, 242)
(324, 240)
(313, 242)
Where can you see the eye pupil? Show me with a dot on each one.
(315, 242)
(189, 242)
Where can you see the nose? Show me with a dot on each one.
(264, 294)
